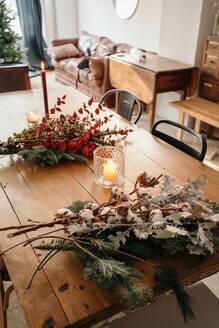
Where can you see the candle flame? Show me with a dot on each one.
(42, 66)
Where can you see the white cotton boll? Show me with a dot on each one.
(186, 207)
(130, 216)
(125, 197)
(92, 206)
(64, 213)
(104, 211)
(215, 218)
(114, 219)
(137, 219)
(86, 214)
(142, 191)
(116, 191)
(156, 215)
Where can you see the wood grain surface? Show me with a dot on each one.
(59, 295)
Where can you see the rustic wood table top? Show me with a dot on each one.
(36, 192)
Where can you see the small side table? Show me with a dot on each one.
(14, 77)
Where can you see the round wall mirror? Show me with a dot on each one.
(125, 8)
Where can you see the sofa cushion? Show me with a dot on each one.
(105, 47)
(65, 51)
(96, 66)
(87, 40)
(71, 66)
(83, 75)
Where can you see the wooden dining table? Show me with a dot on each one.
(59, 295)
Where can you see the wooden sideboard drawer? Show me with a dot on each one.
(209, 88)
(173, 81)
(212, 45)
(210, 72)
(211, 60)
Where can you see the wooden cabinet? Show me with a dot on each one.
(209, 78)
(14, 77)
(156, 75)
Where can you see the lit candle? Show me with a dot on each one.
(32, 118)
(110, 171)
(45, 96)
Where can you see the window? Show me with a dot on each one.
(15, 24)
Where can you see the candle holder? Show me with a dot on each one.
(32, 118)
(109, 166)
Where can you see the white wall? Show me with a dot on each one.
(142, 30)
(179, 29)
(184, 26)
(61, 19)
(66, 18)
(49, 20)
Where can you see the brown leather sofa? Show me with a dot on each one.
(93, 81)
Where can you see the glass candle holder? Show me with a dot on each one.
(109, 166)
(32, 118)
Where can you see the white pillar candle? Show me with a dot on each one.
(110, 171)
(32, 118)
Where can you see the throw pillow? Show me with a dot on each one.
(65, 51)
(86, 41)
(96, 70)
(105, 47)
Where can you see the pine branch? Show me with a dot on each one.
(168, 279)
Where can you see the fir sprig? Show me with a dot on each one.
(168, 279)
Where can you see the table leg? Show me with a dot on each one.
(197, 125)
(152, 111)
(181, 121)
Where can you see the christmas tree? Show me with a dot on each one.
(10, 50)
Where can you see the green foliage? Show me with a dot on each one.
(137, 296)
(49, 156)
(172, 246)
(215, 207)
(77, 206)
(168, 279)
(113, 271)
(216, 242)
(109, 272)
(9, 42)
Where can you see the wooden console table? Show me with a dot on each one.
(14, 77)
(156, 75)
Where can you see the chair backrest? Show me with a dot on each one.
(180, 144)
(125, 102)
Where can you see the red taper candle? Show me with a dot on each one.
(45, 95)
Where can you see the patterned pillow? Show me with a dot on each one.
(86, 41)
(65, 51)
(105, 47)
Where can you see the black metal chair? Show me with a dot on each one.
(4, 294)
(180, 144)
(125, 103)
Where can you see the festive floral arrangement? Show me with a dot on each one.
(112, 238)
(64, 137)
